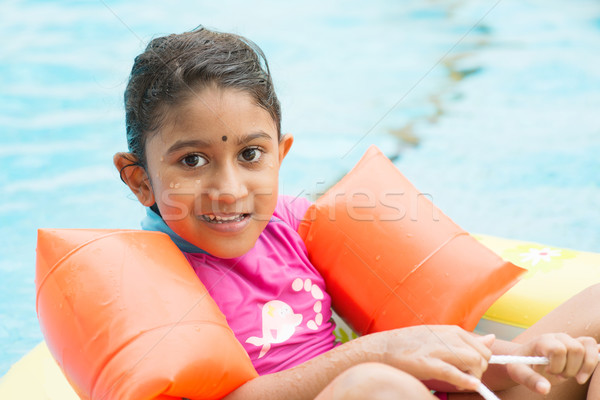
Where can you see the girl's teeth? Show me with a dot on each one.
(219, 219)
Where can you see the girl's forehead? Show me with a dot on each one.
(217, 112)
(216, 115)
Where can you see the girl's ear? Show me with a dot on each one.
(134, 175)
(285, 143)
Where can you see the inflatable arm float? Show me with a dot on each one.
(391, 259)
(126, 317)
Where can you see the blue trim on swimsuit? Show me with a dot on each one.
(153, 222)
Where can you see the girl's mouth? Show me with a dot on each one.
(223, 219)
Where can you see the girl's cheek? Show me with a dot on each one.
(269, 162)
(177, 200)
(174, 207)
(272, 162)
(174, 185)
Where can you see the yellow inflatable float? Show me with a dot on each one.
(553, 276)
(106, 327)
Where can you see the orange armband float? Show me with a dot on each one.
(391, 259)
(126, 317)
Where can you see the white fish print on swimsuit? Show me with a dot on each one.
(278, 325)
(279, 321)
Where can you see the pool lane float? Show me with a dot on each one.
(114, 331)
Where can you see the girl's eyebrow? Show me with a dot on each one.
(250, 137)
(180, 144)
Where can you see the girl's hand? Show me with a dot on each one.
(434, 352)
(569, 357)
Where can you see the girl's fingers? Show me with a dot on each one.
(480, 343)
(487, 340)
(554, 347)
(590, 359)
(568, 358)
(571, 357)
(449, 373)
(526, 376)
(474, 356)
(575, 359)
(466, 359)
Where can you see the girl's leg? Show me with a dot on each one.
(594, 389)
(375, 381)
(578, 316)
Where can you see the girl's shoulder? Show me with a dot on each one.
(291, 210)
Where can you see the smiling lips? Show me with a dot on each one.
(223, 219)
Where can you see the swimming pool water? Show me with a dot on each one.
(500, 97)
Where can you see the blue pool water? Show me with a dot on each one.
(500, 97)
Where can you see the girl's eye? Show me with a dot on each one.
(193, 160)
(251, 154)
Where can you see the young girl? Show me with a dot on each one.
(203, 129)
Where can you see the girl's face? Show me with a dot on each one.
(213, 170)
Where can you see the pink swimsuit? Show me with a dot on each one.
(272, 297)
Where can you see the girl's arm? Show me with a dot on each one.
(425, 352)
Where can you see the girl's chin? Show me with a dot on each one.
(227, 247)
(229, 252)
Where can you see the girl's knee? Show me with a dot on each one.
(593, 291)
(377, 381)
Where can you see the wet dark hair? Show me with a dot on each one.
(173, 68)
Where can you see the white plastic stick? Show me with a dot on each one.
(518, 360)
(521, 360)
(486, 393)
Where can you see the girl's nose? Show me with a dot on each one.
(228, 186)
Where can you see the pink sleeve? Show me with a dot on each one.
(291, 210)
